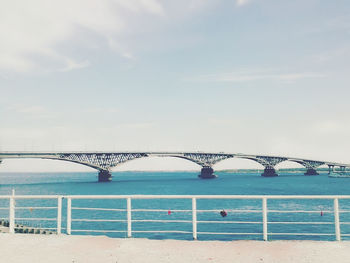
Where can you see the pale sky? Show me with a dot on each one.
(247, 76)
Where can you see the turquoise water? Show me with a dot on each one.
(179, 183)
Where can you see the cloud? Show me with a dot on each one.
(33, 109)
(32, 112)
(337, 53)
(32, 31)
(71, 65)
(46, 35)
(339, 23)
(242, 2)
(330, 127)
(254, 75)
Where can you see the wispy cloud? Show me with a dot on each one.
(32, 109)
(341, 52)
(254, 75)
(100, 110)
(339, 23)
(242, 2)
(72, 65)
(32, 31)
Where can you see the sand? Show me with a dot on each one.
(20, 248)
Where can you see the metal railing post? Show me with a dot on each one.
(264, 211)
(69, 215)
(194, 218)
(12, 213)
(59, 214)
(128, 209)
(336, 220)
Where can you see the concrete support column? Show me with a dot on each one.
(269, 171)
(207, 173)
(330, 169)
(104, 176)
(311, 171)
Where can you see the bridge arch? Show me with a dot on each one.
(160, 162)
(289, 164)
(238, 163)
(283, 167)
(309, 165)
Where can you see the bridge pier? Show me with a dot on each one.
(330, 169)
(269, 172)
(311, 171)
(207, 173)
(104, 176)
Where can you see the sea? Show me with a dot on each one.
(315, 217)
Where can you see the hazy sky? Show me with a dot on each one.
(248, 76)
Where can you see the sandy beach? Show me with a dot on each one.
(83, 249)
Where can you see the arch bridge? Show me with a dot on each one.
(105, 161)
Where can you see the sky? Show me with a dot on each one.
(239, 76)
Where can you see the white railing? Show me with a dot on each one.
(191, 215)
(12, 211)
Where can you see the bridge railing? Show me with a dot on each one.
(183, 216)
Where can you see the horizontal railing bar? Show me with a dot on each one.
(270, 211)
(344, 211)
(205, 196)
(36, 207)
(31, 196)
(230, 222)
(97, 209)
(301, 234)
(303, 223)
(162, 221)
(98, 220)
(346, 235)
(4, 208)
(345, 223)
(300, 211)
(159, 210)
(98, 231)
(162, 231)
(42, 219)
(177, 196)
(230, 210)
(199, 211)
(222, 233)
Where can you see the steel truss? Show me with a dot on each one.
(100, 161)
(267, 161)
(206, 159)
(308, 164)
